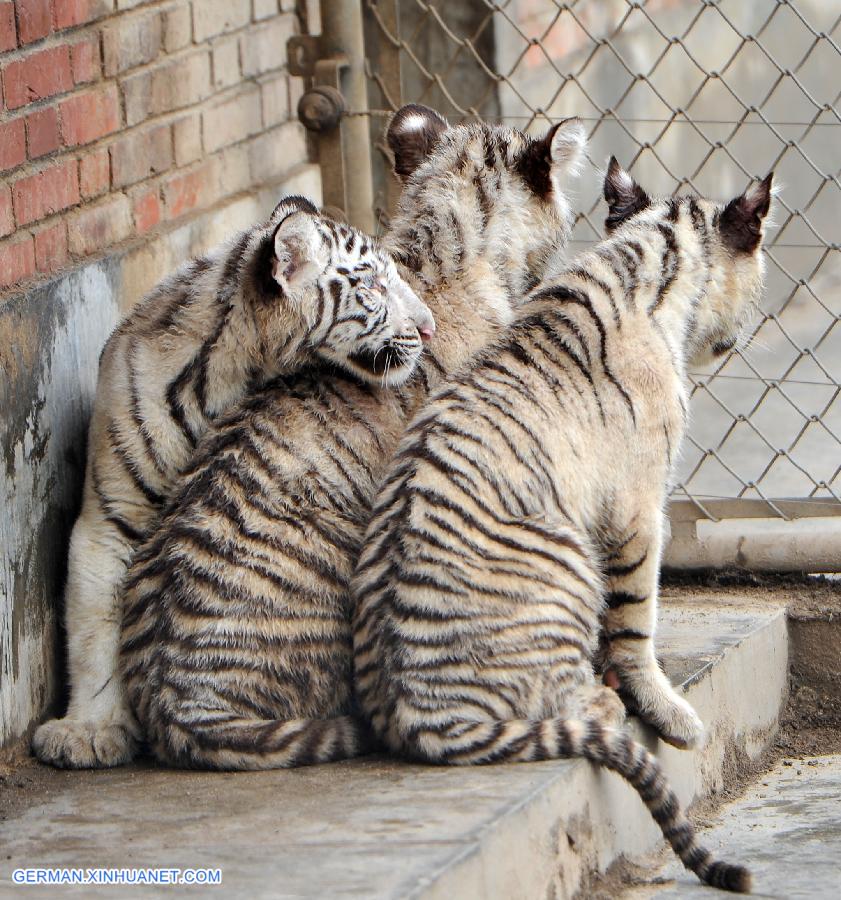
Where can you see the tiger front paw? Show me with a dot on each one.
(77, 744)
(650, 696)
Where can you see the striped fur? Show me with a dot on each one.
(523, 514)
(237, 646)
(295, 289)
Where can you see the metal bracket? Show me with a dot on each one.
(320, 110)
(302, 53)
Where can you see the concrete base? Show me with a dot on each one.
(787, 829)
(378, 828)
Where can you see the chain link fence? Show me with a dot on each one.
(696, 95)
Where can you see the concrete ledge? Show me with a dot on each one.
(382, 829)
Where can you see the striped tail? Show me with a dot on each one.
(467, 743)
(244, 744)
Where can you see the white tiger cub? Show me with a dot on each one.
(280, 295)
(523, 513)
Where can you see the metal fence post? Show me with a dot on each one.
(390, 74)
(341, 35)
(335, 61)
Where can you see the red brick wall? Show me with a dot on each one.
(121, 116)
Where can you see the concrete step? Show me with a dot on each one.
(378, 828)
(787, 826)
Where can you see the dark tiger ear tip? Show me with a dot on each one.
(618, 183)
(624, 196)
(412, 134)
(765, 190)
(741, 220)
(292, 204)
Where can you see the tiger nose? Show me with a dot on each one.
(426, 326)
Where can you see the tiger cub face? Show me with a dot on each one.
(347, 296)
(730, 235)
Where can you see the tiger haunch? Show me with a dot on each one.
(522, 516)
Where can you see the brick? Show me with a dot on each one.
(130, 42)
(275, 152)
(84, 60)
(232, 121)
(187, 191)
(67, 13)
(93, 227)
(7, 219)
(225, 61)
(17, 260)
(12, 144)
(8, 31)
(39, 75)
(233, 170)
(46, 192)
(146, 209)
(186, 135)
(213, 17)
(86, 117)
(51, 247)
(263, 48)
(274, 94)
(34, 20)
(141, 154)
(263, 9)
(94, 173)
(42, 135)
(166, 87)
(177, 27)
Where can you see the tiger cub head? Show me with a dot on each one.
(346, 295)
(726, 238)
(481, 191)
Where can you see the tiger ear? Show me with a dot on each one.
(412, 134)
(625, 198)
(558, 153)
(292, 203)
(741, 221)
(300, 254)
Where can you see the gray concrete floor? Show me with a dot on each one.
(786, 829)
(383, 829)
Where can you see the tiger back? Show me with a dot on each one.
(523, 513)
(237, 645)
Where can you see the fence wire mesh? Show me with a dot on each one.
(689, 94)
